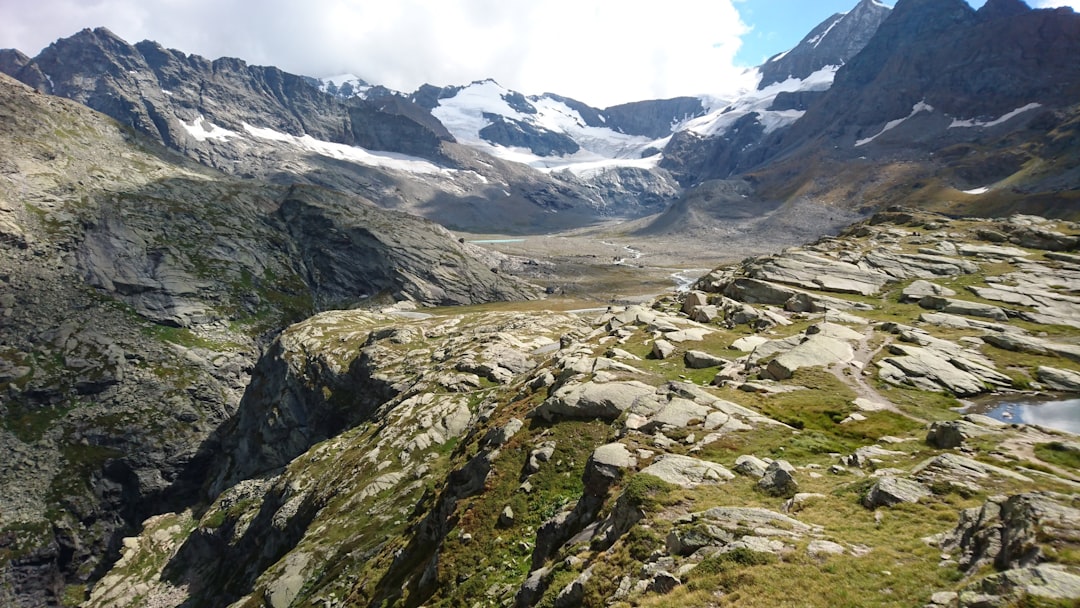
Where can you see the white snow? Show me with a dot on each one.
(341, 79)
(601, 147)
(817, 39)
(385, 160)
(780, 56)
(202, 130)
(922, 106)
(982, 190)
(966, 124)
(751, 100)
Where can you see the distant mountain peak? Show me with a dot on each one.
(833, 42)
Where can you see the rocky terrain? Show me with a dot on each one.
(136, 289)
(237, 369)
(789, 428)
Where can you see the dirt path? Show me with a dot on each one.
(851, 373)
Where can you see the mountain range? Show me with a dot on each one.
(216, 283)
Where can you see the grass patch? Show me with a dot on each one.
(1059, 454)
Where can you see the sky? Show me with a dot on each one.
(601, 52)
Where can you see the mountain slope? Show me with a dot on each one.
(136, 290)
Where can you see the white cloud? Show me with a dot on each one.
(1073, 4)
(602, 52)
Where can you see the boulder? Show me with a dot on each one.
(506, 518)
(694, 299)
(963, 307)
(1013, 531)
(687, 472)
(1047, 584)
(677, 412)
(662, 349)
(921, 288)
(779, 479)
(1059, 379)
(751, 466)
(705, 314)
(696, 359)
(606, 465)
(606, 401)
(815, 350)
(1036, 346)
(823, 548)
(749, 343)
(952, 433)
(890, 491)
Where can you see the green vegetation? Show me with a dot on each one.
(1060, 454)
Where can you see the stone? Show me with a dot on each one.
(921, 288)
(705, 314)
(963, 307)
(506, 518)
(694, 299)
(890, 491)
(946, 435)
(751, 466)
(823, 548)
(593, 400)
(662, 349)
(687, 472)
(961, 470)
(607, 464)
(1059, 379)
(1036, 346)
(1045, 582)
(678, 412)
(779, 479)
(541, 454)
(816, 350)
(696, 359)
(663, 583)
(748, 343)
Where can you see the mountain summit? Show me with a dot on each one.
(833, 42)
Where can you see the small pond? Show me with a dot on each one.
(1060, 412)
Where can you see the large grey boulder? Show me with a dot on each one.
(662, 349)
(921, 288)
(1059, 379)
(751, 466)
(687, 472)
(592, 400)
(607, 464)
(696, 359)
(890, 491)
(1036, 346)
(729, 528)
(779, 479)
(815, 350)
(963, 307)
(1013, 531)
(1051, 583)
